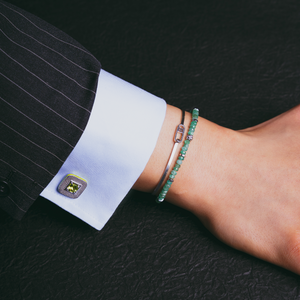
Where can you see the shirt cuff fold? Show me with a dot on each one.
(113, 151)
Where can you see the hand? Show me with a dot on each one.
(243, 185)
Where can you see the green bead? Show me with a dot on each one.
(185, 148)
(187, 142)
(159, 200)
(183, 152)
(173, 172)
(172, 176)
(179, 162)
(192, 129)
(191, 133)
(176, 168)
(181, 157)
(193, 123)
(169, 182)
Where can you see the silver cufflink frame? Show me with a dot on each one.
(72, 186)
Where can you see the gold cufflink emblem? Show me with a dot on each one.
(72, 186)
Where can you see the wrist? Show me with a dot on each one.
(197, 168)
(195, 182)
(154, 169)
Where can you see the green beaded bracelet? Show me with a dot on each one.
(162, 195)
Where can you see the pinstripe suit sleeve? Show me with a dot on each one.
(48, 83)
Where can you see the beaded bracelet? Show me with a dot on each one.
(166, 187)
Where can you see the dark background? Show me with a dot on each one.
(238, 61)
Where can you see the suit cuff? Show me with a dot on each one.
(113, 151)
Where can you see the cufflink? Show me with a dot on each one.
(72, 186)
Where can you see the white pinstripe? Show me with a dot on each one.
(16, 204)
(21, 173)
(36, 123)
(44, 81)
(47, 63)
(24, 193)
(27, 158)
(49, 32)
(41, 102)
(48, 46)
(32, 142)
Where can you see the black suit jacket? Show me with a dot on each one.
(47, 88)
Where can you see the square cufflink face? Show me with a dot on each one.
(72, 186)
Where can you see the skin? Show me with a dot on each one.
(243, 185)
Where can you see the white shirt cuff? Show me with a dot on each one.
(113, 151)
